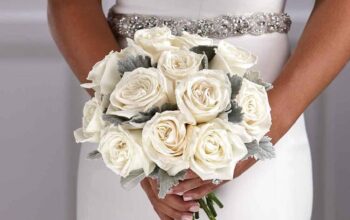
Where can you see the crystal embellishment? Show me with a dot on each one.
(125, 25)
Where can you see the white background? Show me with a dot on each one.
(41, 105)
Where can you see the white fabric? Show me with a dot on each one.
(278, 189)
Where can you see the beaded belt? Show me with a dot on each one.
(125, 25)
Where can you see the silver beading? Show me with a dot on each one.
(125, 25)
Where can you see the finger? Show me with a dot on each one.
(163, 211)
(187, 185)
(190, 175)
(148, 189)
(176, 202)
(172, 213)
(162, 216)
(199, 192)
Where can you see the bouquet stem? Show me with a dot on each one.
(207, 204)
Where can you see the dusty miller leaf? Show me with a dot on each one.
(114, 119)
(94, 155)
(209, 51)
(255, 77)
(143, 117)
(168, 107)
(236, 84)
(133, 179)
(131, 63)
(235, 114)
(165, 181)
(262, 150)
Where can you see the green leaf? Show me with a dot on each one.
(143, 117)
(236, 84)
(256, 77)
(133, 179)
(262, 150)
(131, 63)
(168, 107)
(209, 51)
(114, 119)
(235, 114)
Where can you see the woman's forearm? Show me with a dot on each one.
(321, 53)
(81, 32)
(323, 50)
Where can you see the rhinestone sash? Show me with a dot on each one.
(125, 25)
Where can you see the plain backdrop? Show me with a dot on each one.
(41, 105)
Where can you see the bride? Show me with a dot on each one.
(279, 189)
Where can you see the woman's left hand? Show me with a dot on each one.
(193, 187)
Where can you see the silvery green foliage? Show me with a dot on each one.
(94, 155)
(235, 114)
(131, 63)
(114, 119)
(236, 84)
(255, 77)
(133, 179)
(166, 182)
(262, 150)
(209, 51)
(143, 117)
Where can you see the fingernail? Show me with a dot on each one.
(188, 198)
(179, 193)
(194, 208)
(186, 217)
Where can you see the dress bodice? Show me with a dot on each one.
(197, 8)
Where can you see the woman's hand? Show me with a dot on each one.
(194, 188)
(172, 206)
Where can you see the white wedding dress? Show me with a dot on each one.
(277, 189)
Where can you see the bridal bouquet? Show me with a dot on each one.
(166, 104)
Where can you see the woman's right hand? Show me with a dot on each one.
(172, 206)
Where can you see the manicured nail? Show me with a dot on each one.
(188, 198)
(194, 208)
(187, 217)
(179, 193)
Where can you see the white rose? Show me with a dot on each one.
(122, 152)
(232, 59)
(92, 123)
(164, 139)
(138, 91)
(256, 109)
(187, 40)
(215, 149)
(178, 64)
(154, 40)
(203, 96)
(104, 74)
